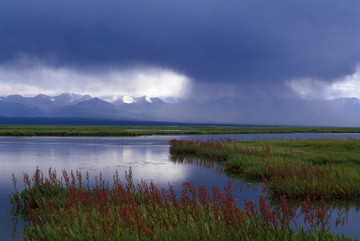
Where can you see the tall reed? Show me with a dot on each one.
(68, 208)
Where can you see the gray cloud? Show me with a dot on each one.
(347, 86)
(29, 77)
(238, 48)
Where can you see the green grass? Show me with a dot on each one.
(296, 168)
(316, 151)
(159, 130)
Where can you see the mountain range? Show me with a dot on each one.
(228, 110)
(75, 105)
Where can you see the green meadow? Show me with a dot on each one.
(10, 130)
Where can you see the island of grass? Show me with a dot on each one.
(51, 130)
(327, 168)
(67, 208)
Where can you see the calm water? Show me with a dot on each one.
(148, 156)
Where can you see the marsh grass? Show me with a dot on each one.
(73, 130)
(67, 208)
(325, 168)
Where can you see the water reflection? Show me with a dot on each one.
(344, 217)
(193, 160)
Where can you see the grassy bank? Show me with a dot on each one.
(164, 130)
(296, 168)
(66, 208)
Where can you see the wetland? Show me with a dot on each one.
(150, 159)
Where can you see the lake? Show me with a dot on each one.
(147, 155)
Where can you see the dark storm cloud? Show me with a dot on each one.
(253, 43)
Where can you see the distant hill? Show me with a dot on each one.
(226, 110)
(86, 122)
(16, 109)
(92, 108)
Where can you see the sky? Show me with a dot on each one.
(248, 49)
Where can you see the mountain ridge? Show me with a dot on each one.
(223, 110)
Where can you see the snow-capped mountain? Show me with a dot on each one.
(67, 99)
(75, 105)
(135, 100)
(345, 111)
(45, 100)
